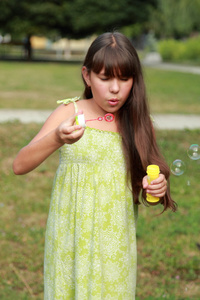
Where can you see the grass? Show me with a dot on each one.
(168, 256)
(173, 92)
(24, 209)
(39, 85)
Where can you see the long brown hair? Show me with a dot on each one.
(116, 54)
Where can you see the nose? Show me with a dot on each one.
(114, 85)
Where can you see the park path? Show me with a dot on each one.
(153, 60)
(161, 121)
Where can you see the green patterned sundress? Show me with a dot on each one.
(90, 247)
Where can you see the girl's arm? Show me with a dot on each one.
(56, 131)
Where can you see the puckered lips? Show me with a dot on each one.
(113, 101)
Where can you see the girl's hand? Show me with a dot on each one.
(157, 188)
(52, 136)
(68, 132)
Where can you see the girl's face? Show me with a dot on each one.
(109, 94)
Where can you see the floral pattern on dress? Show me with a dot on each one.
(90, 247)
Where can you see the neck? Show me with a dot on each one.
(97, 110)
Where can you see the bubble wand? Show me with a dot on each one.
(80, 119)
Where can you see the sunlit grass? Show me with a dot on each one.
(173, 92)
(168, 257)
(39, 85)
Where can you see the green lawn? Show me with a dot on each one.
(173, 92)
(168, 255)
(39, 85)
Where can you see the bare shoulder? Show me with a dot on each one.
(60, 114)
(84, 104)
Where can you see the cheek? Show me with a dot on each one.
(128, 88)
(130, 84)
(100, 88)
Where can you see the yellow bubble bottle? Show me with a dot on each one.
(153, 173)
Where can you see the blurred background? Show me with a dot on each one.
(63, 29)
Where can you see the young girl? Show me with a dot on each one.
(90, 248)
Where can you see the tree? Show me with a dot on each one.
(175, 18)
(27, 17)
(106, 15)
(78, 18)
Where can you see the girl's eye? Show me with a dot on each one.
(104, 78)
(124, 78)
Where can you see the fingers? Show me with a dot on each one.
(157, 188)
(68, 132)
(72, 134)
(145, 182)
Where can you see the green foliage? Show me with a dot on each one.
(107, 15)
(175, 50)
(66, 18)
(171, 49)
(78, 18)
(132, 30)
(34, 17)
(175, 18)
(192, 49)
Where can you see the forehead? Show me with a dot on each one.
(109, 73)
(113, 62)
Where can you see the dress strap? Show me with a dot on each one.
(70, 100)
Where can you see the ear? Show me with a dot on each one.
(86, 76)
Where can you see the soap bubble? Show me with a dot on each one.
(178, 167)
(194, 152)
